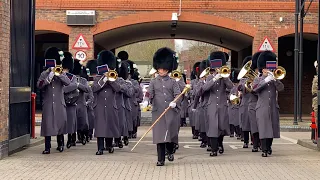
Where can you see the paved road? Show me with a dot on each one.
(289, 161)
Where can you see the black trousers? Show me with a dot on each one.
(246, 136)
(232, 129)
(204, 138)
(135, 129)
(193, 130)
(266, 144)
(60, 140)
(72, 138)
(213, 141)
(100, 143)
(238, 130)
(161, 150)
(256, 140)
(90, 133)
(108, 142)
(47, 143)
(220, 141)
(183, 121)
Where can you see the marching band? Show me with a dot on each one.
(102, 99)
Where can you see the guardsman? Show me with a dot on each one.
(161, 93)
(139, 96)
(244, 107)
(267, 109)
(184, 105)
(54, 115)
(252, 108)
(82, 114)
(201, 112)
(106, 110)
(218, 124)
(314, 91)
(71, 95)
(194, 81)
(233, 108)
(91, 68)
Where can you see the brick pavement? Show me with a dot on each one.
(289, 161)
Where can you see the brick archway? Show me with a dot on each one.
(307, 28)
(46, 25)
(147, 17)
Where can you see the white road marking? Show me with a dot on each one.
(289, 139)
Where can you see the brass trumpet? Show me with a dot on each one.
(235, 100)
(176, 75)
(279, 73)
(112, 75)
(57, 70)
(225, 71)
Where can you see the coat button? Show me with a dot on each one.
(217, 97)
(53, 87)
(268, 91)
(163, 86)
(105, 91)
(105, 106)
(52, 94)
(52, 102)
(217, 104)
(105, 98)
(164, 93)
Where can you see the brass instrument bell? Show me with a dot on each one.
(57, 70)
(176, 75)
(112, 75)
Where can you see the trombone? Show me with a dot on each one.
(112, 75)
(224, 71)
(176, 75)
(248, 73)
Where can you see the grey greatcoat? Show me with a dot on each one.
(54, 115)
(244, 106)
(127, 104)
(233, 110)
(184, 102)
(191, 97)
(90, 103)
(196, 105)
(162, 91)
(106, 110)
(82, 114)
(134, 103)
(71, 108)
(252, 112)
(202, 107)
(126, 92)
(139, 100)
(267, 109)
(218, 123)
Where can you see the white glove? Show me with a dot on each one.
(268, 79)
(128, 81)
(105, 79)
(172, 104)
(218, 76)
(145, 104)
(51, 74)
(193, 110)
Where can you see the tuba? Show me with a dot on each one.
(176, 75)
(235, 100)
(112, 75)
(248, 73)
(57, 70)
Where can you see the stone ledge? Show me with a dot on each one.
(4, 149)
(307, 143)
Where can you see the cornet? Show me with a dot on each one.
(57, 70)
(279, 73)
(112, 75)
(176, 75)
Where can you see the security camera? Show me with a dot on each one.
(174, 20)
(281, 19)
(173, 35)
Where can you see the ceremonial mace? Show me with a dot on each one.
(185, 90)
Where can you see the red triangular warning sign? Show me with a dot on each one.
(266, 45)
(81, 43)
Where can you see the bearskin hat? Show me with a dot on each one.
(193, 75)
(196, 69)
(255, 60)
(234, 75)
(124, 70)
(227, 56)
(184, 78)
(54, 53)
(165, 58)
(77, 67)
(131, 69)
(68, 62)
(203, 65)
(123, 55)
(92, 66)
(246, 59)
(107, 57)
(136, 75)
(264, 57)
(218, 55)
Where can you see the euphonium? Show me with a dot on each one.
(248, 73)
(112, 75)
(279, 73)
(176, 75)
(235, 100)
(57, 70)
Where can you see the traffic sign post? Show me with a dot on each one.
(81, 43)
(266, 45)
(81, 55)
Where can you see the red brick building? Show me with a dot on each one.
(240, 26)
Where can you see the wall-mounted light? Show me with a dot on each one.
(289, 53)
(281, 19)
